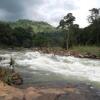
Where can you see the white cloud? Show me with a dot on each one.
(53, 11)
(47, 10)
(83, 12)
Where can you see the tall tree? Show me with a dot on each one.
(94, 19)
(95, 15)
(66, 24)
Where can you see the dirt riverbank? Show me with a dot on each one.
(68, 92)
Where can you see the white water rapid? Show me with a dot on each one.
(37, 66)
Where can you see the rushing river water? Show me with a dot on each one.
(38, 67)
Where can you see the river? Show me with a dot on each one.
(39, 68)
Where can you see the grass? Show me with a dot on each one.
(4, 74)
(87, 49)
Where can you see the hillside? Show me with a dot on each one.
(24, 33)
(35, 25)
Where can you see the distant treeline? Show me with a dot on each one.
(26, 33)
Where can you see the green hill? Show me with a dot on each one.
(35, 25)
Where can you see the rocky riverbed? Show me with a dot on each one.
(55, 51)
(64, 52)
(68, 92)
(44, 76)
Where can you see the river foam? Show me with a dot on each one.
(48, 64)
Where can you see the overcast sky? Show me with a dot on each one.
(50, 11)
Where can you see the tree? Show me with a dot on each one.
(23, 37)
(94, 19)
(94, 15)
(40, 40)
(65, 24)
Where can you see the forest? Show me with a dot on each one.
(27, 33)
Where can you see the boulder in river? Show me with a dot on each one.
(16, 79)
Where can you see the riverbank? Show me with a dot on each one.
(80, 52)
(91, 52)
(43, 67)
(68, 92)
(38, 67)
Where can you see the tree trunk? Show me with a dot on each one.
(67, 40)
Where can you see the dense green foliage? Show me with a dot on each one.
(14, 37)
(35, 26)
(26, 33)
(66, 24)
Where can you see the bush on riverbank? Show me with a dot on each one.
(94, 50)
(9, 77)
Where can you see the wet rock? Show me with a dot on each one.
(16, 79)
(93, 56)
(13, 79)
(13, 97)
(69, 92)
(89, 55)
(47, 97)
(71, 97)
(81, 56)
(9, 77)
(2, 97)
(67, 54)
(31, 94)
(10, 93)
(0, 58)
